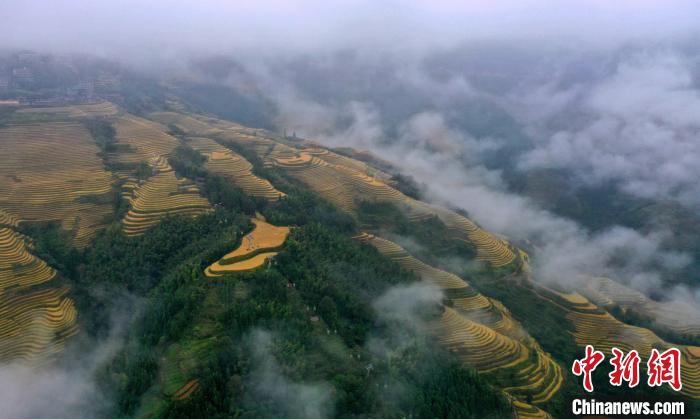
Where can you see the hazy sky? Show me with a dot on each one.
(160, 27)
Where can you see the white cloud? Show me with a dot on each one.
(287, 398)
(641, 131)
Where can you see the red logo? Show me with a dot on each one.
(662, 368)
(626, 368)
(665, 368)
(587, 365)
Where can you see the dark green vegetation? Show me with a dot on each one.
(407, 185)
(430, 238)
(103, 133)
(301, 333)
(6, 113)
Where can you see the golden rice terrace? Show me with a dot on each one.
(52, 172)
(256, 247)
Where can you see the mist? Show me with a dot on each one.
(66, 387)
(465, 97)
(403, 311)
(285, 397)
(164, 30)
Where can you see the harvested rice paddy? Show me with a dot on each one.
(185, 123)
(678, 316)
(141, 140)
(595, 326)
(481, 333)
(161, 195)
(343, 184)
(187, 390)
(234, 167)
(35, 322)
(52, 172)
(256, 247)
(98, 109)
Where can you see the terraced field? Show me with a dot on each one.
(259, 142)
(185, 123)
(481, 333)
(7, 219)
(187, 390)
(255, 248)
(595, 326)
(161, 195)
(322, 178)
(222, 161)
(200, 125)
(679, 317)
(98, 109)
(35, 321)
(344, 185)
(342, 180)
(141, 140)
(18, 267)
(344, 161)
(490, 248)
(36, 325)
(462, 296)
(52, 172)
(179, 364)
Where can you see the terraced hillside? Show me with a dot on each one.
(185, 123)
(344, 181)
(182, 361)
(179, 364)
(200, 125)
(52, 172)
(256, 247)
(161, 195)
(344, 161)
(490, 248)
(87, 110)
(345, 186)
(71, 187)
(141, 140)
(35, 317)
(222, 161)
(482, 334)
(462, 296)
(679, 317)
(595, 326)
(7, 219)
